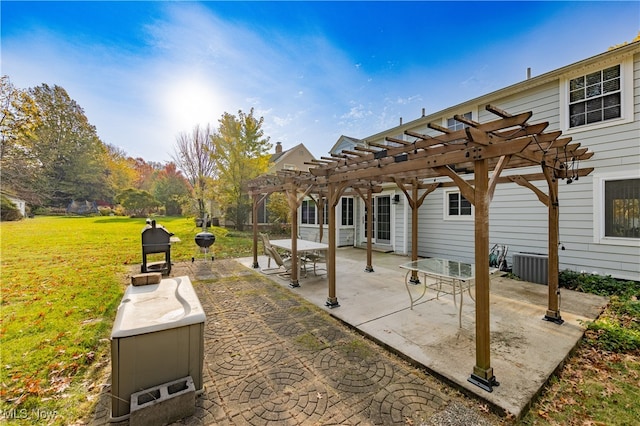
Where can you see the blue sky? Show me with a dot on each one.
(146, 71)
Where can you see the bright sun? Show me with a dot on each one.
(191, 101)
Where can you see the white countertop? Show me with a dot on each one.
(170, 304)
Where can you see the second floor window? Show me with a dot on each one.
(595, 97)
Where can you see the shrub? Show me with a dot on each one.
(618, 329)
(598, 284)
(610, 335)
(105, 211)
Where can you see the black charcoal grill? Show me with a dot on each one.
(204, 239)
(156, 239)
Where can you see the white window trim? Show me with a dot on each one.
(598, 209)
(626, 92)
(445, 208)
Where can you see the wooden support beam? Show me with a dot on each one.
(398, 141)
(465, 120)
(522, 181)
(477, 136)
(365, 149)
(502, 163)
(497, 111)
(482, 372)
(437, 127)
(466, 189)
(553, 309)
(254, 220)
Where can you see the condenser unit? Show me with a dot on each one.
(531, 267)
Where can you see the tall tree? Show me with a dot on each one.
(121, 172)
(193, 155)
(146, 173)
(240, 154)
(68, 149)
(171, 189)
(19, 116)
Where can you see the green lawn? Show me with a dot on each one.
(62, 280)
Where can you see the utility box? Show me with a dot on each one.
(531, 267)
(157, 337)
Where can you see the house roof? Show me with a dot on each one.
(287, 156)
(345, 140)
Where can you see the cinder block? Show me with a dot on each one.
(163, 404)
(146, 278)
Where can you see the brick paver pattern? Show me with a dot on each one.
(271, 357)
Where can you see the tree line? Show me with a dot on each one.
(50, 154)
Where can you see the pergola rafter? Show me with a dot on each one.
(485, 150)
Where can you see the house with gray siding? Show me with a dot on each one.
(596, 102)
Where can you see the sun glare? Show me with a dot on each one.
(192, 101)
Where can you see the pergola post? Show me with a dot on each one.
(254, 219)
(369, 205)
(292, 198)
(482, 375)
(413, 202)
(553, 309)
(321, 205)
(332, 300)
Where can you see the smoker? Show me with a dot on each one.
(156, 239)
(204, 239)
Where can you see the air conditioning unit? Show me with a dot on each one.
(532, 267)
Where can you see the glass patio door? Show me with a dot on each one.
(381, 220)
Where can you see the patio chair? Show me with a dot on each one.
(317, 257)
(266, 248)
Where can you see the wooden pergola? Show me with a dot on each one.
(417, 166)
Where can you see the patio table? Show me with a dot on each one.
(459, 276)
(303, 246)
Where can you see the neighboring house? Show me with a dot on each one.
(596, 102)
(290, 159)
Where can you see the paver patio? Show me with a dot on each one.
(270, 356)
(273, 358)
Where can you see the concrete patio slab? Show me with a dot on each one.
(525, 349)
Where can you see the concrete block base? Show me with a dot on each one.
(146, 278)
(163, 404)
